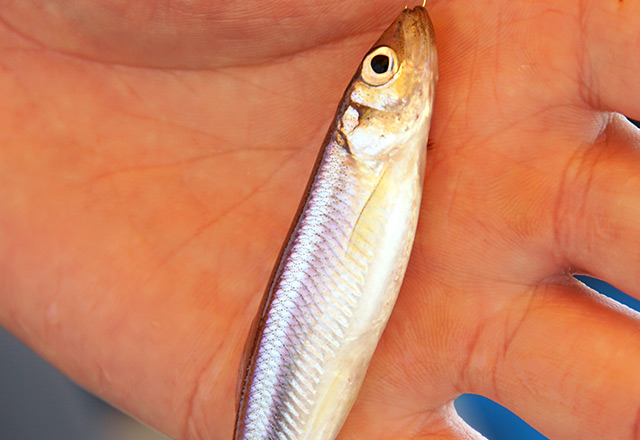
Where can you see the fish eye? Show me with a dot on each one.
(379, 66)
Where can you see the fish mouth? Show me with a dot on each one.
(411, 36)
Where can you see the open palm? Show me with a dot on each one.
(152, 155)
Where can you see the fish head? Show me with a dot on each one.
(391, 96)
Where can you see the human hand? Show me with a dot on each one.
(153, 155)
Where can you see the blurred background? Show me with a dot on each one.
(39, 403)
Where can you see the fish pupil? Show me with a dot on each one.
(380, 63)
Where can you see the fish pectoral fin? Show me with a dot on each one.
(363, 224)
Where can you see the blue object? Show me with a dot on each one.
(494, 421)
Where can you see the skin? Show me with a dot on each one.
(153, 154)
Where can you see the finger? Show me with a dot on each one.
(597, 216)
(567, 363)
(193, 34)
(375, 419)
(611, 44)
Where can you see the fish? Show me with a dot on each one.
(340, 270)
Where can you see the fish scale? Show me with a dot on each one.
(316, 303)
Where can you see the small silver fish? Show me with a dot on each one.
(341, 268)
